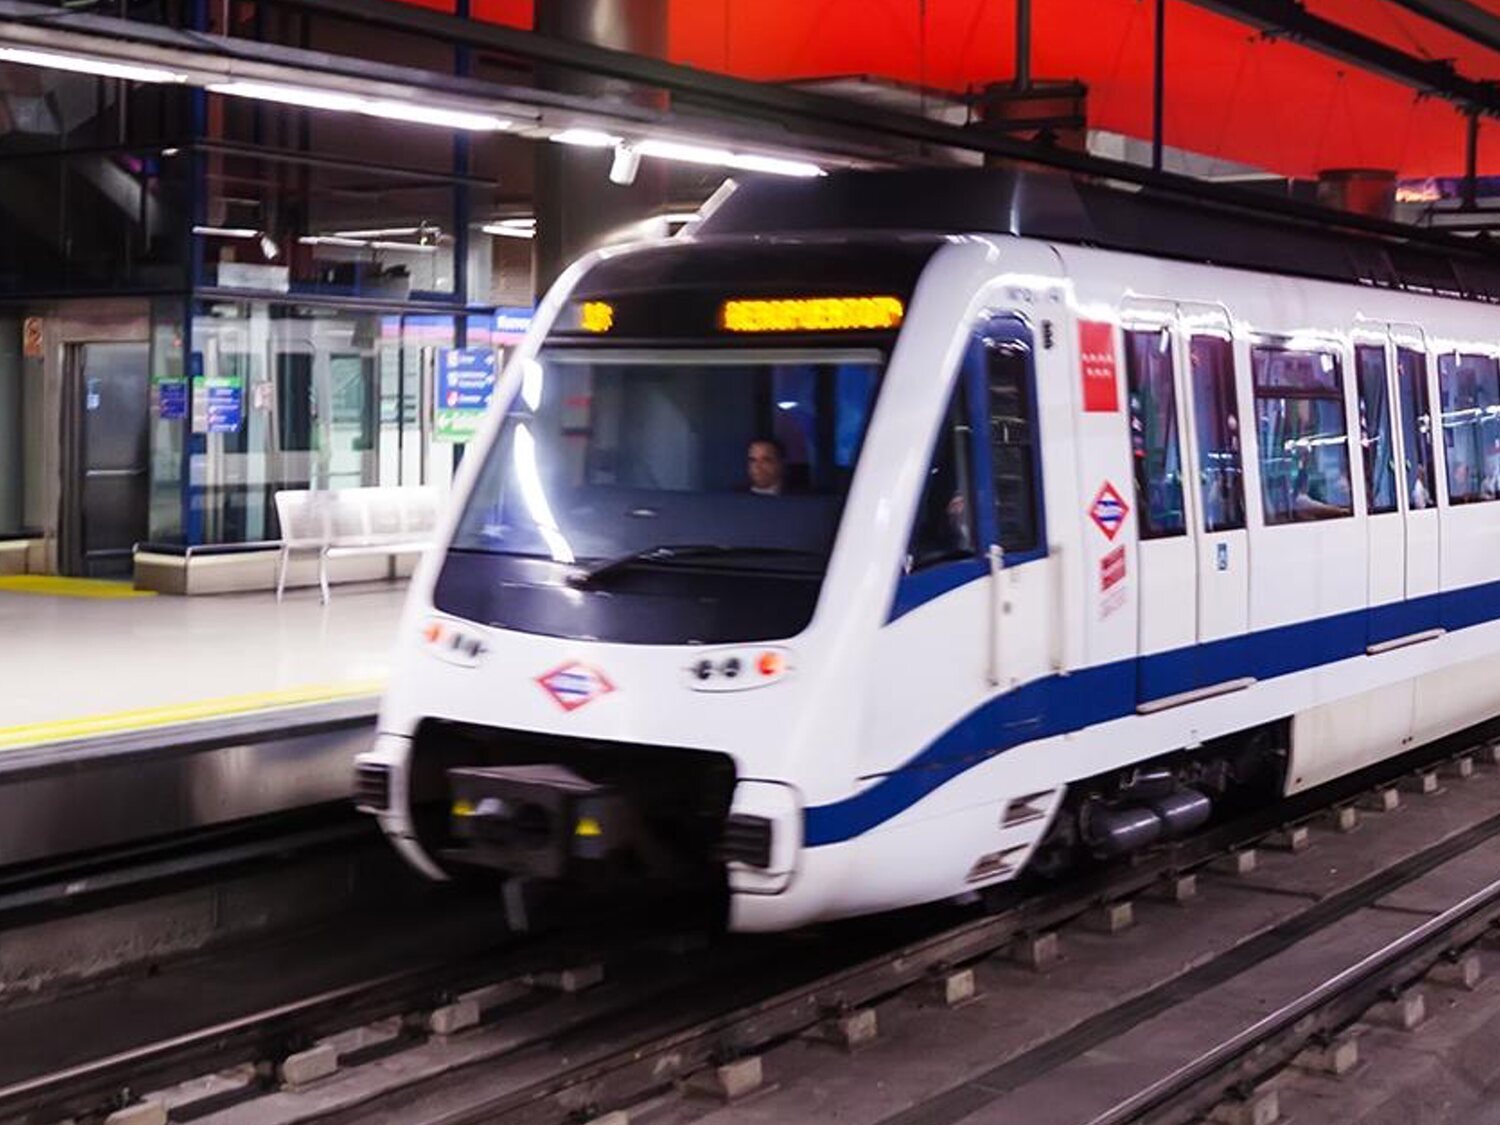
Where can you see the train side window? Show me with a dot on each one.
(1012, 444)
(944, 528)
(1375, 430)
(1470, 390)
(1216, 415)
(1304, 446)
(1154, 446)
(1416, 427)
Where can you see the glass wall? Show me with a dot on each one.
(303, 396)
(169, 421)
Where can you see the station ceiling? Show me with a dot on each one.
(1233, 91)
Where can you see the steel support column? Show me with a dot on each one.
(1158, 84)
(1023, 44)
(1471, 164)
(578, 207)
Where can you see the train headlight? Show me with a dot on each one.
(738, 669)
(450, 643)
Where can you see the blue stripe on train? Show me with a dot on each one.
(1061, 704)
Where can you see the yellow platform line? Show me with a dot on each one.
(148, 718)
(52, 585)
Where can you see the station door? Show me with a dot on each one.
(106, 443)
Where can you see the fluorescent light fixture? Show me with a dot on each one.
(309, 98)
(680, 217)
(383, 232)
(687, 153)
(723, 158)
(365, 243)
(507, 232)
(83, 64)
(524, 223)
(331, 240)
(228, 232)
(585, 138)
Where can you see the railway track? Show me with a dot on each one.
(554, 1033)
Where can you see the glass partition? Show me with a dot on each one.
(289, 396)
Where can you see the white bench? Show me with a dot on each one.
(353, 521)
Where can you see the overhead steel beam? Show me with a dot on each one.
(1468, 20)
(1289, 19)
(796, 116)
(800, 111)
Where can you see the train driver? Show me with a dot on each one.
(766, 467)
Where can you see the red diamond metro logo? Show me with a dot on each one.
(1108, 511)
(574, 684)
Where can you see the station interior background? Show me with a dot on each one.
(205, 298)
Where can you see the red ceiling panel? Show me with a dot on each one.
(1231, 93)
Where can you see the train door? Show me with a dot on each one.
(1373, 384)
(1014, 527)
(1416, 480)
(1167, 561)
(1217, 473)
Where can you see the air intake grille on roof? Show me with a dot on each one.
(372, 787)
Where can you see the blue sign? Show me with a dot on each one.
(226, 407)
(511, 324)
(465, 384)
(172, 401)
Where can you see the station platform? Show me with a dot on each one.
(126, 716)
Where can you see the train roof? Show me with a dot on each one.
(1063, 208)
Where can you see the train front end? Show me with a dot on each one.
(635, 661)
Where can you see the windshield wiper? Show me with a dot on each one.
(671, 552)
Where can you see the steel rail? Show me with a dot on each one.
(1406, 957)
(638, 1069)
(254, 1036)
(82, 1088)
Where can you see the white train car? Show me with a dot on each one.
(833, 568)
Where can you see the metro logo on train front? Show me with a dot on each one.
(1108, 511)
(574, 684)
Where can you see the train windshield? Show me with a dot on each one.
(663, 495)
(738, 459)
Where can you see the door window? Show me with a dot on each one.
(1304, 447)
(1013, 445)
(1375, 430)
(944, 528)
(1416, 428)
(1216, 414)
(1154, 446)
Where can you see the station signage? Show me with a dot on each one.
(511, 324)
(465, 385)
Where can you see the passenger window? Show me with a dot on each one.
(1216, 415)
(1416, 428)
(1471, 426)
(1153, 434)
(1012, 443)
(1304, 446)
(944, 528)
(1375, 430)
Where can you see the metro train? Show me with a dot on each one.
(884, 536)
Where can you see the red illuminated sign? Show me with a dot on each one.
(1096, 354)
